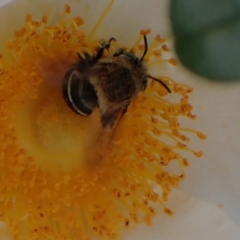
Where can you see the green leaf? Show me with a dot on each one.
(207, 36)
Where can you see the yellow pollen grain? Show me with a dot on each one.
(201, 135)
(157, 53)
(28, 18)
(160, 39)
(142, 32)
(185, 162)
(173, 61)
(168, 211)
(198, 154)
(165, 48)
(67, 8)
(45, 19)
(145, 31)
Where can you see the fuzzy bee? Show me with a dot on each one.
(107, 83)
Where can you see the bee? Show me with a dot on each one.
(107, 83)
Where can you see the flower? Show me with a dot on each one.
(123, 183)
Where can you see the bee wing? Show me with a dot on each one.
(105, 135)
(110, 118)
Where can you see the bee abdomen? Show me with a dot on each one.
(78, 93)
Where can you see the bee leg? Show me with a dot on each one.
(118, 52)
(85, 56)
(103, 46)
(109, 42)
(99, 54)
(79, 56)
(125, 109)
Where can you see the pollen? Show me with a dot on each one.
(145, 31)
(53, 183)
(67, 8)
(165, 48)
(173, 61)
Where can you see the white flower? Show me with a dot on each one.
(212, 182)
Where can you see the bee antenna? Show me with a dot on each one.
(160, 81)
(146, 47)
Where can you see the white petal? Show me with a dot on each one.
(193, 219)
(125, 18)
(3, 2)
(215, 177)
